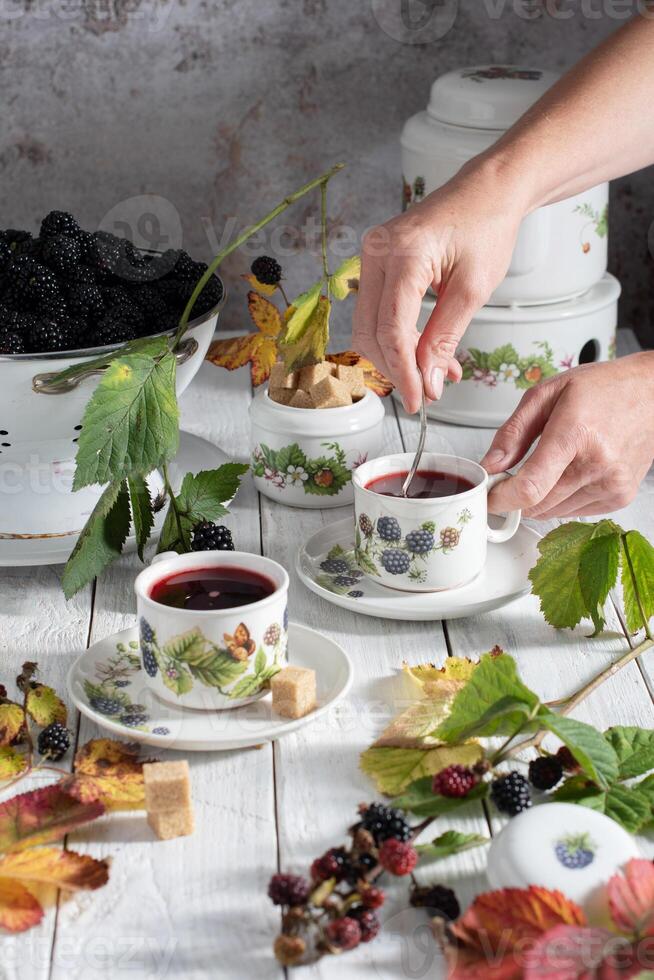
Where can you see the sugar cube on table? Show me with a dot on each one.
(167, 786)
(172, 823)
(301, 399)
(313, 373)
(280, 378)
(294, 691)
(330, 393)
(283, 396)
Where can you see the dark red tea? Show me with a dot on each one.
(212, 588)
(426, 483)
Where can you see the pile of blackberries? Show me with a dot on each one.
(71, 289)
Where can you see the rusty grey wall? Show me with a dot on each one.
(219, 108)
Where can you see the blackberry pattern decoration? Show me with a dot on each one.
(340, 573)
(575, 852)
(70, 289)
(385, 544)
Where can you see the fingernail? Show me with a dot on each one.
(493, 457)
(436, 382)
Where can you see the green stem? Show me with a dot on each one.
(173, 504)
(323, 225)
(242, 238)
(634, 583)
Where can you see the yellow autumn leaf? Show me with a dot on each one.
(44, 705)
(265, 315)
(19, 909)
(254, 349)
(311, 345)
(53, 866)
(393, 769)
(373, 378)
(12, 763)
(12, 719)
(261, 287)
(108, 772)
(300, 313)
(433, 679)
(346, 278)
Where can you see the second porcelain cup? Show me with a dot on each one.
(426, 544)
(220, 658)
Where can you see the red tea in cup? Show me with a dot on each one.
(425, 484)
(212, 588)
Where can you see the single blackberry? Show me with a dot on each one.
(59, 223)
(62, 254)
(17, 281)
(510, 793)
(150, 664)
(53, 333)
(368, 923)
(288, 890)
(104, 255)
(333, 864)
(450, 537)
(113, 329)
(345, 580)
(54, 741)
(272, 635)
(20, 242)
(575, 852)
(388, 529)
(545, 772)
(132, 719)
(419, 542)
(438, 900)
(211, 295)
(366, 525)
(455, 781)
(334, 566)
(398, 857)
(208, 536)
(395, 562)
(187, 269)
(11, 342)
(43, 291)
(85, 300)
(356, 594)
(105, 705)
(86, 241)
(383, 822)
(267, 270)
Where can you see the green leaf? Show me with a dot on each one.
(217, 668)
(189, 647)
(202, 497)
(420, 800)
(365, 562)
(592, 751)
(260, 661)
(12, 763)
(634, 748)
(246, 687)
(493, 702)
(309, 345)
(45, 706)
(346, 278)
(393, 769)
(177, 678)
(556, 577)
(451, 842)
(131, 422)
(638, 564)
(502, 355)
(142, 513)
(598, 571)
(629, 807)
(304, 307)
(336, 551)
(101, 539)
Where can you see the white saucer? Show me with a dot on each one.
(112, 669)
(503, 579)
(194, 454)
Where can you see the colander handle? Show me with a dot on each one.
(52, 383)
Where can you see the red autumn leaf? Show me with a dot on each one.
(52, 866)
(42, 816)
(572, 953)
(374, 379)
(631, 898)
(19, 910)
(257, 349)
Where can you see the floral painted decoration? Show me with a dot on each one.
(290, 467)
(505, 366)
(598, 220)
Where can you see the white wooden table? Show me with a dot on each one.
(197, 907)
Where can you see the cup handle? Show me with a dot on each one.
(512, 520)
(164, 556)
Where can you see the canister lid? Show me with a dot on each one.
(487, 96)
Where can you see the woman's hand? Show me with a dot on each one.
(596, 428)
(459, 241)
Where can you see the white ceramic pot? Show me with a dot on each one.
(212, 658)
(305, 457)
(429, 544)
(506, 351)
(562, 248)
(39, 427)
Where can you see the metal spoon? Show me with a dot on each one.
(421, 446)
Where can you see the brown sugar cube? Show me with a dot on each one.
(313, 373)
(283, 396)
(167, 786)
(174, 823)
(351, 375)
(301, 399)
(330, 393)
(294, 692)
(279, 377)
(357, 392)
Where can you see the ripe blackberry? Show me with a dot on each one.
(368, 923)
(20, 242)
(152, 305)
(187, 269)
(388, 529)
(54, 741)
(333, 864)
(420, 541)
(43, 292)
(438, 900)
(384, 822)
(112, 329)
(104, 255)
(343, 933)
(132, 719)
(17, 281)
(267, 270)
(176, 293)
(510, 793)
(455, 781)
(105, 705)
(334, 566)
(59, 223)
(62, 254)
(545, 772)
(272, 635)
(450, 537)
(396, 562)
(53, 333)
(85, 300)
(11, 342)
(208, 536)
(211, 295)
(150, 664)
(288, 890)
(398, 857)
(345, 580)
(86, 241)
